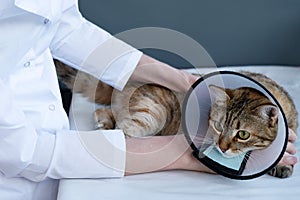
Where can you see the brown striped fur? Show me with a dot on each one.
(144, 110)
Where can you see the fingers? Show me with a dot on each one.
(292, 135)
(291, 149)
(190, 78)
(193, 78)
(288, 159)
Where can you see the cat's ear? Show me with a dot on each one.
(218, 93)
(269, 112)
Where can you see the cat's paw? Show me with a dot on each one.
(282, 171)
(104, 125)
(103, 119)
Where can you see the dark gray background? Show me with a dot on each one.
(234, 32)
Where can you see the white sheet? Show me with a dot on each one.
(184, 184)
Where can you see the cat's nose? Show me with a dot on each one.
(224, 147)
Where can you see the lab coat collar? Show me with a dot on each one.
(49, 9)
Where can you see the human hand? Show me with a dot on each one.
(150, 70)
(289, 157)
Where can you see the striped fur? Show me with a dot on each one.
(144, 111)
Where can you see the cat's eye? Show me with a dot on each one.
(243, 135)
(218, 126)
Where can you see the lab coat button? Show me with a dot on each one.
(46, 21)
(27, 64)
(51, 107)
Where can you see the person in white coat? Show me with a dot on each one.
(37, 147)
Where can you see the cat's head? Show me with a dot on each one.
(241, 120)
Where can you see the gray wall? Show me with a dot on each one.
(234, 32)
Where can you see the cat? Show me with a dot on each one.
(145, 110)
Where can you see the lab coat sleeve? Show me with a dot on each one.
(38, 154)
(87, 47)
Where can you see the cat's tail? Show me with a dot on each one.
(81, 82)
(66, 75)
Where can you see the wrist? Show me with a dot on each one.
(160, 153)
(150, 70)
(187, 161)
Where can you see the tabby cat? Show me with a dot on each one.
(248, 122)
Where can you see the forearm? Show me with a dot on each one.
(150, 70)
(160, 153)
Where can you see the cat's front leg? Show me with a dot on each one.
(282, 171)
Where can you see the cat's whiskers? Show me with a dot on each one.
(257, 159)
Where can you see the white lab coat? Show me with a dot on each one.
(36, 145)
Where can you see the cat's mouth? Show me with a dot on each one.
(228, 153)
